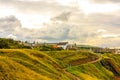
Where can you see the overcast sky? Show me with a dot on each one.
(90, 22)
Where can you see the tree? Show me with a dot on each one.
(4, 44)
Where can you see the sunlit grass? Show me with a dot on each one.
(26, 64)
(10, 70)
(92, 71)
(64, 58)
(36, 61)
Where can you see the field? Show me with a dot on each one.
(28, 64)
(18, 64)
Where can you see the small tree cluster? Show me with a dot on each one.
(4, 44)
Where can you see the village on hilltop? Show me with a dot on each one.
(74, 46)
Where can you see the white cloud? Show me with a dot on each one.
(6, 11)
(89, 7)
(52, 21)
(66, 2)
(33, 20)
(29, 0)
(12, 36)
(110, 35)
(101, 31)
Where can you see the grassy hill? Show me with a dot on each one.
(18, 64)
(108, 68)
(27, 64)
(73, 58)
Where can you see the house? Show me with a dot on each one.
(104, 50)
(64, 45)
(117, 51)
(55, 46)
(72, 47)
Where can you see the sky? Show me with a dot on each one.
(88, 22)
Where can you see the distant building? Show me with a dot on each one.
(72, 47)
(117, 51)
(104, 50)
(64, 45)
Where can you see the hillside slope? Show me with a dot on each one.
(27, 64)
(108, 68)
(72, 58)
(24, 64)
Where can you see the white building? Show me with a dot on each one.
(63, 45)
(118, 51)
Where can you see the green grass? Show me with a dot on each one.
(64, 58)
(35, 61)
(106, 69)
(26, 64)
(114, 61)
(11, 70)
(114, 57)
(93, 71)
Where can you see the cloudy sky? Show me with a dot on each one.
(91, 22)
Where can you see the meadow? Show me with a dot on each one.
(28, 64)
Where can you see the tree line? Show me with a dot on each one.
(11, 44)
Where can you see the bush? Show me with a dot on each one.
(4, 44)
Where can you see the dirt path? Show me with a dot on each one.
(77, 78)
(70, 74)
(88, 60)
(97, 60)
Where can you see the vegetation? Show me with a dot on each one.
(11, 44)
(4, 43)
(91, 72)
(20, 64)
(49, 48)
(67, 58)
(106, 69)
(30, 64)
